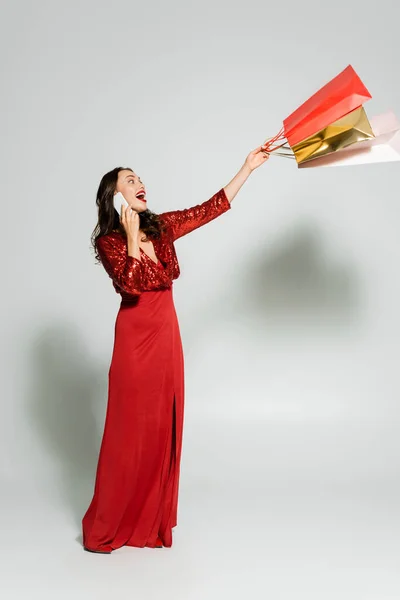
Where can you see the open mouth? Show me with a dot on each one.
(141, 196)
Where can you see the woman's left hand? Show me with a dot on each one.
(256, 158)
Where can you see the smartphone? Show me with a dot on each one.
(118, 200)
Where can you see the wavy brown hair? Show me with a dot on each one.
(108, 218)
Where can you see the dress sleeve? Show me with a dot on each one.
(124, 270)
(181, 222)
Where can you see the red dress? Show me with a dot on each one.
(135, 496)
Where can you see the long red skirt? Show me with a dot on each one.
(135, 497)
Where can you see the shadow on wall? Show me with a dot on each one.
(299, 280)
(66, 394)
(293, 284)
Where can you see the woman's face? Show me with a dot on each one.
(132, 189)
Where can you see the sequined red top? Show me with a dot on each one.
(132, 276)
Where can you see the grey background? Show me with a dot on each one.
(288, 304)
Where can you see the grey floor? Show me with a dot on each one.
(267, 510)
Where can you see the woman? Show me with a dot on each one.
(135, 496)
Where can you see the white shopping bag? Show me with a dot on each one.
(384, 147)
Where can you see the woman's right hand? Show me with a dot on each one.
(130, 221)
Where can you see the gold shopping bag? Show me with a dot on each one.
(353, 127)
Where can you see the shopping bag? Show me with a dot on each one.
(346, 131)
(384, 147)
(338, 97)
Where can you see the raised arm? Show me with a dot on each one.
(123, 269)
(181, 222)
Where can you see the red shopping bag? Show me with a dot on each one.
(337, 98)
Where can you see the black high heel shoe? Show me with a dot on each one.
(98, 551)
